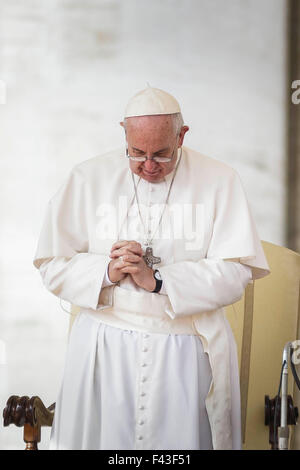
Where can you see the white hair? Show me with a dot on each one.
(177, 122)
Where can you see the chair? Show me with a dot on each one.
(263, 321)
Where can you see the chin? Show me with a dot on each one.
(153, 178)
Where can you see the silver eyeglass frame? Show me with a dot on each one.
(155, 159)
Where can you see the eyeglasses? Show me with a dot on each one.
(155, 159)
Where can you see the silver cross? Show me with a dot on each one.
(150, 259)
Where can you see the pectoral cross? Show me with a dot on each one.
(149, 258)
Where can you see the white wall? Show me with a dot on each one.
(70, 67)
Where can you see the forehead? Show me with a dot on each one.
(154, 127)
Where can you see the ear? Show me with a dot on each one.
(122, 123)
(183, 131)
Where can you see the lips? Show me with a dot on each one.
(150, 174)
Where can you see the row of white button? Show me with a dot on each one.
(143, 394)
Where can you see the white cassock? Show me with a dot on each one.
(146, 370)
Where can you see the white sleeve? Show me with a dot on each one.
(195, 287)
(234, 234)
(67, 266)
(77, 279)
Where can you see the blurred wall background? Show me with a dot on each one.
(68, 68)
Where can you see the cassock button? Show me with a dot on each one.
(140, 438)
(145, 335)
(144, 379)
(144, 365)
(145, 349)
(141, 422)
(141, 407)
(143, 394)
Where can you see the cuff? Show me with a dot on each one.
(163, 289)
(106, 281)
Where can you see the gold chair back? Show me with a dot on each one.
(263, 321)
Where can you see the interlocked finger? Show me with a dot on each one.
(126, 251)
(121, 248)
(129, 258)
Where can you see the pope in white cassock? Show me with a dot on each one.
(151, 242)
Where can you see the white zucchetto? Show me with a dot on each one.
(151, 101)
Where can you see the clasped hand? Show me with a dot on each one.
(132, 264)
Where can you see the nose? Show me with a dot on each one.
(150, 165)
